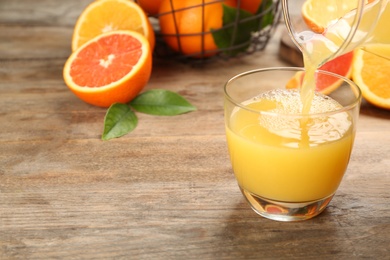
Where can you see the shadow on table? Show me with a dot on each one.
(248, 236)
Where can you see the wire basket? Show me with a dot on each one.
(240, 33)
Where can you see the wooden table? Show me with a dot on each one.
(165, 191)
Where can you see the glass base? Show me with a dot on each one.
(285, 211)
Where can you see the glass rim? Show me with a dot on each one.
(348, 107)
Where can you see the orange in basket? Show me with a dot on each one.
(150, 6)
(186, 25)
(251, 6)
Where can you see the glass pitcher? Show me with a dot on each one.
(362, 27)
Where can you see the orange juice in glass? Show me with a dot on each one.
(288, 164)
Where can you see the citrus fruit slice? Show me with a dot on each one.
(325, 84)
(112, 67)
(296, 81)
(274, 209)
(110, 15)
(319, 14)
(371, 73)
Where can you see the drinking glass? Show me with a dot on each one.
(288, 165)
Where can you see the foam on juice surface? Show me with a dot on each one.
(282, 117)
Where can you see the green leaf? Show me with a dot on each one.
(268, 17)
(162, 103)
(119, 120)
(236, 33)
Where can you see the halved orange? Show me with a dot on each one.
(371, 74)
(319, 14)
(341, 65)
(110, 15)
(112, 67)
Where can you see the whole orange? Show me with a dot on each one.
(186, 25)
(150, 6)
(251, 6)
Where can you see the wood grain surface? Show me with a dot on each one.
(165, 191)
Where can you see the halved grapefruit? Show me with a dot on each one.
(325, 84)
